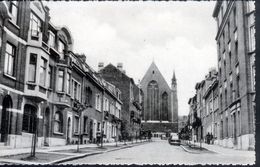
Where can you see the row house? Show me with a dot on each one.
(201, 107)
(236, 72)
(210, 115)
(131, 108)
(191, 118)
(229, 99)
(45, 88)
(112, 111)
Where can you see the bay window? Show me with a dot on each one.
(43, 68)
(14, 10)
(68, 82)
(32, 68)
(49, 78)
(60, 87)
(9, 59)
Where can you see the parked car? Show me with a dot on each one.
(163, 137)
(174, 139)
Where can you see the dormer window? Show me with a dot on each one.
(35, 27)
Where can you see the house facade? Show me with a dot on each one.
(46, 89)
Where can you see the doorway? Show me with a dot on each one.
(46, 126)
(91, 131)
(235, 129)
(5, 120)
(68, 130)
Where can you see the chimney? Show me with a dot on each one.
(120, 66)
(82, 57)
(100, 66)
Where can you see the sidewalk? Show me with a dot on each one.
(57, 154)
(226, 151)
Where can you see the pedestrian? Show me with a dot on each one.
(211, 138)
(208, 138)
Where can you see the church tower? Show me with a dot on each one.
(174, 99)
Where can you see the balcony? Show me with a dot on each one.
(61, 99)
(36, 92)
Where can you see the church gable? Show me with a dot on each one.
(153, 74)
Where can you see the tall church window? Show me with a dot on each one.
(153, 100)
(164, 114)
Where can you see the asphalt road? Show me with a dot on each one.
(160, 152)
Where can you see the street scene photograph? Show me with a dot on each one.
(127, 82)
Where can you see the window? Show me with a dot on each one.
(252, 38)
(14, 10)
(231, 92)
(9, 59)
(226, 98)
(215, 105)
(88, 96)
(98, 102)
(35, 27)
(211, 106)
(76, 90)
(51, 40)
(49, 78)
(250, 6)
(29, 119)
(106, 104)
(32, 67)
(230, 61)
(253, 76)
(226, 127)
(85, 124)
(238, 86)
(61, 47)
(235, 17)
(236, 51)
(131, 92)
(58, 122)
(223, 40)
(76, 124)
(60, 81)
(43, 68)
(98, 127)
(68, 82)
(225, 69)
(228, 30)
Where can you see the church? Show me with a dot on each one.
(160, 103)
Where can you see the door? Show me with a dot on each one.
(235, 129)
(68, 130)
(91, 130)
(46, 126)
(5, 120)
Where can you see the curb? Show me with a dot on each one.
(188, 150)
(87, 154)
(68, 158)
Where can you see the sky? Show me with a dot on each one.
(177, 36)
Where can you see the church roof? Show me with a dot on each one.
(153, 73)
